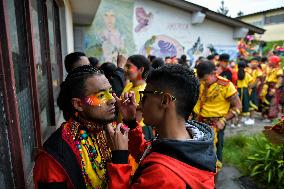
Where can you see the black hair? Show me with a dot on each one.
(74, 87)
(94, 61)
(241, 70)
(71, 59)
(140, 61)
(224, 57)
(108, 68)
(182, 84)
(151, 58)
(263, 59)
(210, 57)
(183, 58)
(158, 62)
(167, 57)
(257, 58)
(205, 67)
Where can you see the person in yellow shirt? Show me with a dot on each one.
(243, 83)
(136, 70)
(270, 91)
(218, 102)
(257, 75)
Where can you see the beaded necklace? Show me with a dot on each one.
(82, 134)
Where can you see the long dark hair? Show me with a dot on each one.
(241, 70)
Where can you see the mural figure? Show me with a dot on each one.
(112, 41)
(111, 31)
(142, 18)
(162, 46)
(197, 47)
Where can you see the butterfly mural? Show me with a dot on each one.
(142, 18)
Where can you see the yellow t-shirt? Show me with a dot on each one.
(245, 82)
(273, 74)
(215, 100)
(264, 68)
(255, 73)
(129, 87)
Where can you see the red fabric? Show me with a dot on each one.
(160, 171)
(137, 143)
(48, 170)
(234, 77)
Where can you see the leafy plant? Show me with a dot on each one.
(266, 162)
(256, 157)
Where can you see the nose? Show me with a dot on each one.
(111, 100)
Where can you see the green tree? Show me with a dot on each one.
(223, 10)
(240, 13)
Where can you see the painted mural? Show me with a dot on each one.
(144, 19)
(162, 46)
(111, 31)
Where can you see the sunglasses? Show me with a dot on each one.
(143, 95)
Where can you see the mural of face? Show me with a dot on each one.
(109, 19)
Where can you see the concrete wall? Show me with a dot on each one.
(69, 27)
(169, 32)
(147, 27)
(274, 32)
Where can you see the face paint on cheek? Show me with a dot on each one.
(132, 70)
(94, 101)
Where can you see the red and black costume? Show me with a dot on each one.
(166, 163)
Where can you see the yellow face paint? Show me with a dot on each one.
(99, 98)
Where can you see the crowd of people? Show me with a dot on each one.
(152, 122)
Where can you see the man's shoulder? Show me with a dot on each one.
(222, 81)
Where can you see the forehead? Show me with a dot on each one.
(96, 83)
(129, 63)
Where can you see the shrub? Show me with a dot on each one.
(256, 157)
(266, 161)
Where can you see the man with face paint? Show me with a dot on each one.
(218, 101)
(75, 155)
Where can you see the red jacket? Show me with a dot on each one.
(170, 163)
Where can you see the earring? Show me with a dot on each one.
(76, 114)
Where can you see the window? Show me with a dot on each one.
(55, 50)
(6, 177)
(41, 63)
(21, 72)
(274, 19)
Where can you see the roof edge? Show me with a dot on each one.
(191, 7)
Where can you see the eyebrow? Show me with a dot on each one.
(102, 90)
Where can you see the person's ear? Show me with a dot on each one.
(77, 104)
(141, 69)
(166, 100)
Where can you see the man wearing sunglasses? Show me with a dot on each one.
(182, 155)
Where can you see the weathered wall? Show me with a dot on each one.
(148, 27)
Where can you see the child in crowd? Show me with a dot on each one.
(243, 84)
